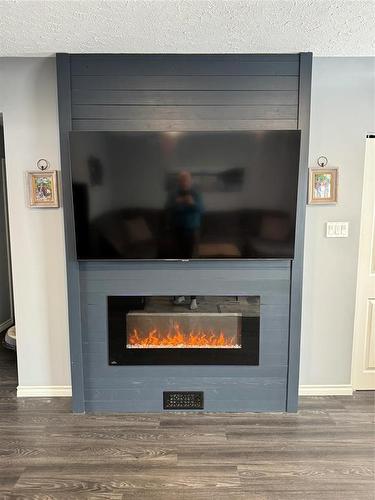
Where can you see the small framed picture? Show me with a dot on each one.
(323, 186)
(43, 190)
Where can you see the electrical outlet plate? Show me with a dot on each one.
(337, 229)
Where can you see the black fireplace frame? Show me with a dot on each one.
(119, 354)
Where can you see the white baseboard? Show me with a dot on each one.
(43, 391)
(326, 390)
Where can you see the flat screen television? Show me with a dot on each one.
(185, 195)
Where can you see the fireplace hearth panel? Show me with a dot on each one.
(183, 330)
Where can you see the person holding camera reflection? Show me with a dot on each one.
(185, 208)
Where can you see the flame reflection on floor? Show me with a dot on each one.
(176, 338)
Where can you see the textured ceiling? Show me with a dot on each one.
(327, 28)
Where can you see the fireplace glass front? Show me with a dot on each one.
(183, 330)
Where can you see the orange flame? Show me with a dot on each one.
(175, 337)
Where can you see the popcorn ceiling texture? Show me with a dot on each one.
(327, 28)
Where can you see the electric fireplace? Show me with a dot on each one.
(185, 330)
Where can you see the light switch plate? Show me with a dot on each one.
(337, 229)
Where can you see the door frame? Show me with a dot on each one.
(364, 270)
(9, 322)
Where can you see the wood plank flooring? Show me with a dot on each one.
(324, 452)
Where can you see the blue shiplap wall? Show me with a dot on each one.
(227, 388)
(181, 92)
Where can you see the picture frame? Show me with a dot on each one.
(323, 186)
(43, 189)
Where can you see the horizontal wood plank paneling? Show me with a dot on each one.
(184, 98)
(93, 112)
(151, 391)
(96, 365)
(137, 388)
(233, 64)
(273, 378)
(181, 125)
(185, 93)
(253, 92)
(116, 287)
(180, 82)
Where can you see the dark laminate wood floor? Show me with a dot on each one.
(324, 452)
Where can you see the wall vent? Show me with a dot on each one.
(183, 400)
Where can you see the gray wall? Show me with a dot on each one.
(28, 102)
(342, 113)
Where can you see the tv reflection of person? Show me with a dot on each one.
(186, 208)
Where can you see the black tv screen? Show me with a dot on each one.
(185, 195)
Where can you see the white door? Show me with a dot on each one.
(363, 368)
